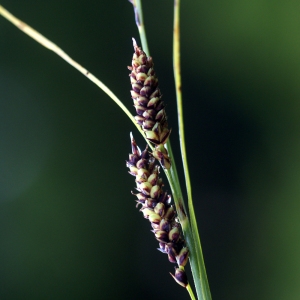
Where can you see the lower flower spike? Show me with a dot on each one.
(156, 207)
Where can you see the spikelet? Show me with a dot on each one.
(150, 109)
(156, 207)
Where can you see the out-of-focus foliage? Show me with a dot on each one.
(68, 224)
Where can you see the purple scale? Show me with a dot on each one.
(146, 91)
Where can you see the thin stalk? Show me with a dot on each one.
(190, 291)
(139, 20)
(51, 46)
(173, 179)
(198, 269)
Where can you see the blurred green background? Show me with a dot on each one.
(68, 224)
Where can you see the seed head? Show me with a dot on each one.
(156, 207)
(150, 109)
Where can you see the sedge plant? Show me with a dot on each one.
(175, 228)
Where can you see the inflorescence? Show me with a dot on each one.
(150, 109)
(156, 207)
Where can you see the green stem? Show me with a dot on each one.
(57, 50)
(173, 179)
(139, 20)
(197, 262)
(51, 46)
(190, 291)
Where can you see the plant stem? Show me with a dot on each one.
(51, 46)
(197, 265)
(172, 176)
(139, 20)
(190, 291)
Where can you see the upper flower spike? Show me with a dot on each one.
(147, 101)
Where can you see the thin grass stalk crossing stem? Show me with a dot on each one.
(198, 270)
(51, 46)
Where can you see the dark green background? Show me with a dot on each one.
(68, 224)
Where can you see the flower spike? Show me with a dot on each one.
(150, 109)
(156, 207)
